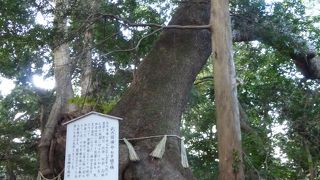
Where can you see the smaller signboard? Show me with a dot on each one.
(92, 147)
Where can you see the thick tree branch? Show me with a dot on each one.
(281, 38)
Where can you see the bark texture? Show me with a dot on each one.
(158, 94)
(86, 75)
(225, 88)
(86, 58)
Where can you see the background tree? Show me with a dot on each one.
(226, 98)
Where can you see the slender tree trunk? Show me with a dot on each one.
(86, 82)
(228, 118)
(62, 72)
(86, 58)
(86, 76)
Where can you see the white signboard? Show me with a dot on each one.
(92, 148)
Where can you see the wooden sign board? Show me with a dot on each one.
(92, 147)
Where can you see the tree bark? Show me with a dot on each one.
(226, 100)
(86, 64)
(86, 58)
(62, 73)
(157, 96)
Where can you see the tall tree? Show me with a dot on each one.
(62, 73)
(225, 87)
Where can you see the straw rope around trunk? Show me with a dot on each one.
(159, 150)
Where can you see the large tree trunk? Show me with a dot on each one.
(62, 72)
(158, 94)
(225, 88)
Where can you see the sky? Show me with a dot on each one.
(6, 86)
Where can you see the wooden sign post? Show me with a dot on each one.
(92, 147)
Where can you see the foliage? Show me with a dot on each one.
(92, 103)
(17, 132)
(271, 91)
(199, 131)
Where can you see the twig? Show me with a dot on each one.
(91, 19)
(134, 48)
(203, 79)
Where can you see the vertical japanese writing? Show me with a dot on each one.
(92, 150)
(112, 146)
